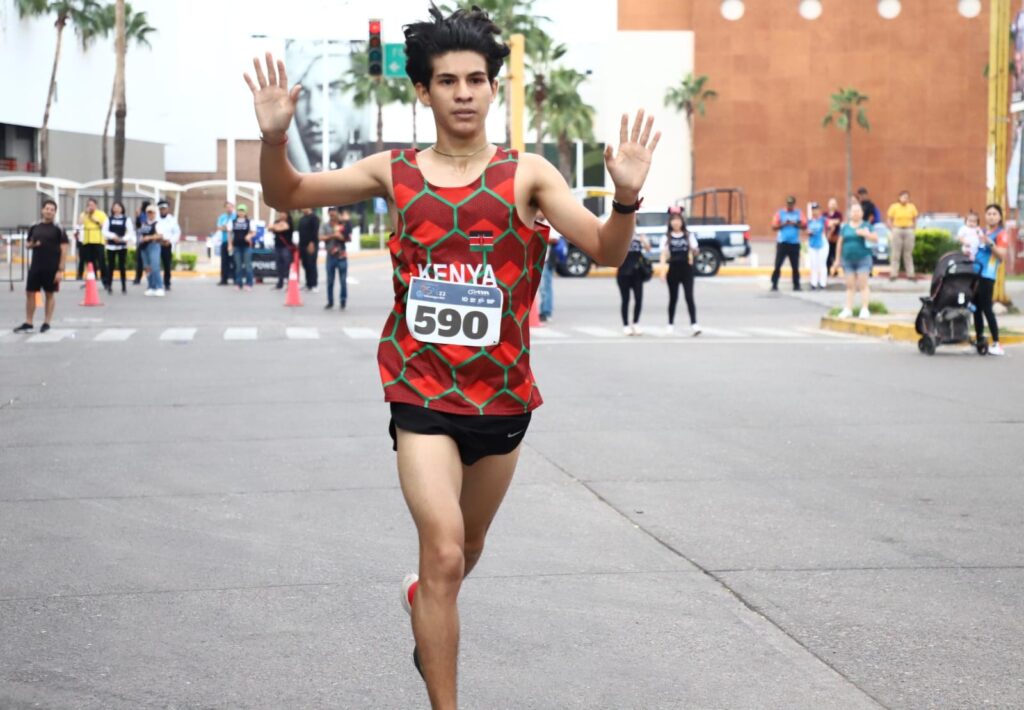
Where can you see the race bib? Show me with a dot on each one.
(454, 313)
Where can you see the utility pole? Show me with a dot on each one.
(998, 118)
(517, 90)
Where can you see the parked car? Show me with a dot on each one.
(880, 249)
(950, 221)
(716, 217)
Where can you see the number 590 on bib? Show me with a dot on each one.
(454, 313)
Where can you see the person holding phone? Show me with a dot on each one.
(788, 222)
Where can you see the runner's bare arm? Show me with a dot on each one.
(283, 186)
(606, 243)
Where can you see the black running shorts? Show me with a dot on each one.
(476, 436)
(41, 280)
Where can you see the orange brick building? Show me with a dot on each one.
(774, 72)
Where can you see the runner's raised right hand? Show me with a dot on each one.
(274, 103)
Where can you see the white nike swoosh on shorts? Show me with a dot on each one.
(517, 433)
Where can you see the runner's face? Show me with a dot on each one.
(460, 93)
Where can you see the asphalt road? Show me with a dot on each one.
(199, 509)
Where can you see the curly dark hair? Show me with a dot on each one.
(464, 30)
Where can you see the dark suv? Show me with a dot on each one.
(716, 217)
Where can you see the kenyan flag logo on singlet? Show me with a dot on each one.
(481, 241)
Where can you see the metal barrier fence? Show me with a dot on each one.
(13, 255)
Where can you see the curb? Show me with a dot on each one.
(903, 332)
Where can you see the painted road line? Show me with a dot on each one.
(721, 332)
(362, 333)
(54, 336)
(546, 333)
(598, 332)
(773, 332)
(114, 335)
(302, 333)
(178, 335)
(828, 333)
(241, 334)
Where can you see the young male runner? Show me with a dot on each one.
(467, 256)
(49, 244)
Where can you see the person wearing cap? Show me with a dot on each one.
(149, 238)
(788, 222)
(227, 271)
(817, 248)
(171, 233)
(242, 233)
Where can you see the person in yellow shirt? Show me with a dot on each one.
(91, 222)
(901, 219)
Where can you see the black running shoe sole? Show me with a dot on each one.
(416, 662)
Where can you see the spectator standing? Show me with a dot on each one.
(140, 219)
(788, 222)
(855, 255)
(92, 220)
(901, 218)
(170, 233)
(991, 252)
(118, 232)
(309, 245)
(335, 234)
(679, 250)
(49, 244)
(630, 278)
(283, 246)
(242, 233)
(871, 214)
(833, 221)
(817, 248)
(547, 287)
(149, 239)
(227, 264)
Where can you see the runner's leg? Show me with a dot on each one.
(483, 488)
(430, 473)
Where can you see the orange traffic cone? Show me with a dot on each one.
(92, 294)
(292, 297)
(535, 321)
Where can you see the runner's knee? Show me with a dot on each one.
(443, 563)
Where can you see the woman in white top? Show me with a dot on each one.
(118, 234)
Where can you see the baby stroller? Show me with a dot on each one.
(945, 316)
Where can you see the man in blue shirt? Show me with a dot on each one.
(788, 222)
(227, 265)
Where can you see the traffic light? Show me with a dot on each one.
(376, 56)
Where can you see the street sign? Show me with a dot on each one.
(394, 60)
(380, 205)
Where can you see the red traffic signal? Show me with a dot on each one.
(375, 55)
(374, 27)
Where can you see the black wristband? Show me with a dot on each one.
(627, 209)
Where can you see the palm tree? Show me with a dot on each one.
(689, 96)
(567, 117)
(542, 55)
(83, 15)
(513, 17)
(136, 28)
(841, 111)
(366, 89)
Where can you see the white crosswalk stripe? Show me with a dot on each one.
(114, 335)
(302, 333)
(547, 333)
(721, 332)
(55, 335)
(241, 334)
(597, 332)
(773, 333)
(178, 335)
(362, 333)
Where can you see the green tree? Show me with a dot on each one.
(137, 30)
(512, 17)
(542, 57)
(844, 107)
(366, 89)
(567, 117)
(690, 96)
(84, 18)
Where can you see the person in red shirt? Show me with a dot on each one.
(467, 255)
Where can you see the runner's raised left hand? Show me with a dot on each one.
(629, 165)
